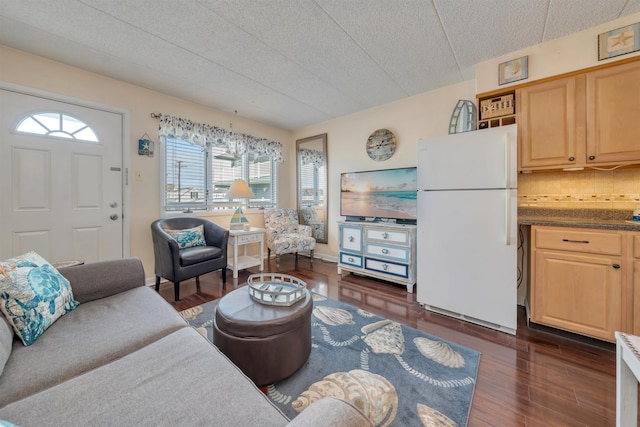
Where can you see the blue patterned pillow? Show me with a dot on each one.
(33, 295)
(189, 237)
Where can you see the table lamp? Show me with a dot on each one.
(239, 190)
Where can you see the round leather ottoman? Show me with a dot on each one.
(268, 343)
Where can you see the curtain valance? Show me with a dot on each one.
(308, 155)
(204, 135)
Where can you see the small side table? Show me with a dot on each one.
(627, 377)
(243, 238)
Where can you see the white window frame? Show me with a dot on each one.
(57, 125)
(210, 204)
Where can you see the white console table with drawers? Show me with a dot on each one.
(382, 250)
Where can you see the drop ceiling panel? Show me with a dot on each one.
(232, 49)
(302, 32)
(481, 30)
(291, 63)
(570, 16)
(407, 40)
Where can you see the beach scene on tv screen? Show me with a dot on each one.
(383, 194)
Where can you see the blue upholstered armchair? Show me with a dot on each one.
(286, 235)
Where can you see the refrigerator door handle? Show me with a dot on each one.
(507, 161)
(507, 219)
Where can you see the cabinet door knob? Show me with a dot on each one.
(350, 259)
(571, 159)
(616, 266)
(592, 157)
(385, 251)
(351, 238)
(385, 235)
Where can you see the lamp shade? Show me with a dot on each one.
(239, 190)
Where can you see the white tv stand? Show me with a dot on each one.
(378, 249)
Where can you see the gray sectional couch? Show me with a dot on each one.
(124, 356)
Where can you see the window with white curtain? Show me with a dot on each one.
(201, 162)
(198, 177)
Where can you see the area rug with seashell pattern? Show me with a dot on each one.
(396, 375)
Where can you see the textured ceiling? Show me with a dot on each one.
(292, 63)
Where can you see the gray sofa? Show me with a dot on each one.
(124, 356)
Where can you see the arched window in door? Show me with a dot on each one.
(57, 125)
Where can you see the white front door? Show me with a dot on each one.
(61, 194)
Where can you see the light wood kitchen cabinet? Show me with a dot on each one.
(587, 119)
(549, 117)
(613, 108)
(577, 280)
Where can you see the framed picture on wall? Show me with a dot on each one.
(514, 70)
(620, 41)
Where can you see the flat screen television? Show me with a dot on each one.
(388, 194)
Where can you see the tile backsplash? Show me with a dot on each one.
(591, 189)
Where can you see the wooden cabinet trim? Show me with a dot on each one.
(558, 76)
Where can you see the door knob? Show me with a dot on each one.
(113, 217)
(113, 205)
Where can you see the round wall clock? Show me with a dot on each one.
(381, 145)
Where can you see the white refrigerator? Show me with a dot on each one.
(467, 226)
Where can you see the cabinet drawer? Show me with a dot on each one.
(393, 252)
(351, 238)
(387, 267)
(394, 236)
(351, 259)
(609, 243)
(248, 238)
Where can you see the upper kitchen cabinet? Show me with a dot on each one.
(613, 112)
(588, 119)
(549, 116)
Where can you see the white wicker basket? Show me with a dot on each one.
(276, 289)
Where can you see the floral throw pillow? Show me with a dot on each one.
(33, 295)
(189, 237)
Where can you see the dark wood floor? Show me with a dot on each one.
(534, 379)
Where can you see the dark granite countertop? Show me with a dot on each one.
(606, 219)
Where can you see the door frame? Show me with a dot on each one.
(126, 154)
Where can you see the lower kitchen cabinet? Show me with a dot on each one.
(578, 281)
(578, 293)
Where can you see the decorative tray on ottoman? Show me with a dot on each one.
(276, 289)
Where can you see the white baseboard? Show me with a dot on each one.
(327, 258)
